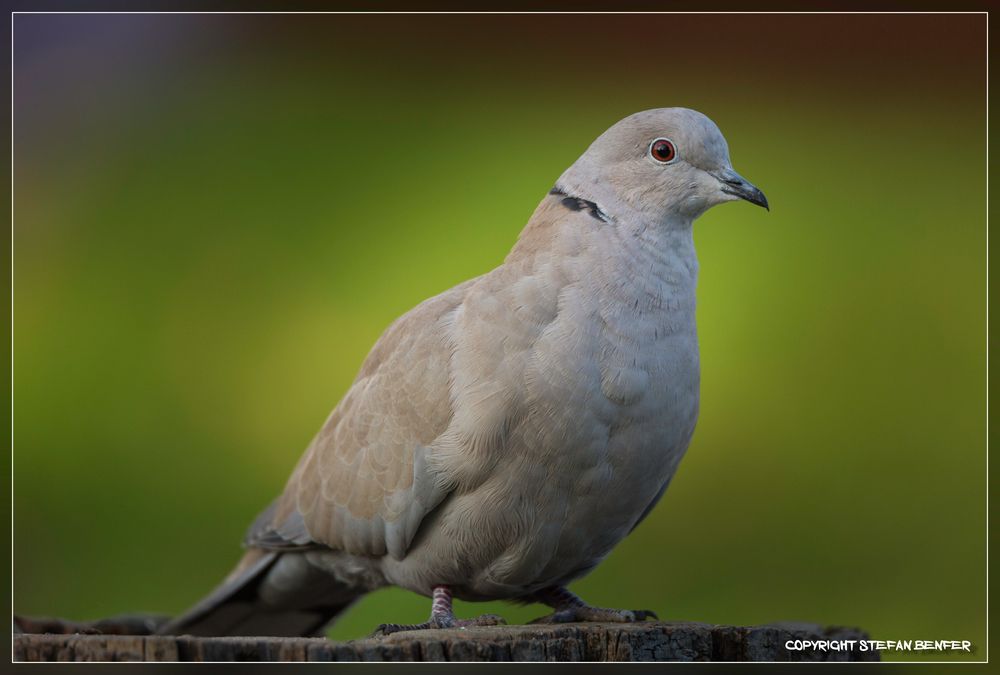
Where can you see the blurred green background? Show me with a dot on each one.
(215, 217)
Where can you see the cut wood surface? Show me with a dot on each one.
(645, 641)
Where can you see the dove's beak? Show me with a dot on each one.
(736, 185)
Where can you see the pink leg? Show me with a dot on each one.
(442, 616)
(441, 606)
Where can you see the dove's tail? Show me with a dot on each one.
(269, 593)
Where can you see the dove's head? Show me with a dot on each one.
(667, 164)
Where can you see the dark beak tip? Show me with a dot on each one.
(756, 196)
(738, 186)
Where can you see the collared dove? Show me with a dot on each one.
(502, 437)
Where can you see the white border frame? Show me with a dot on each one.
(983, 13)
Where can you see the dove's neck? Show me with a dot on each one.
(632, 267)
(657, 243)
(644, 267)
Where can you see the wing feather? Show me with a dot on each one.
(364, 484)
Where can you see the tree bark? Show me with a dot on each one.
(644, 641)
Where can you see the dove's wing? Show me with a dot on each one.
(364, 485)
(432, 404)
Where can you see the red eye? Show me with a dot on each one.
(663, 150)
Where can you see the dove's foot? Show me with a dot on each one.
(598, 614)
(570, 608)
(442, 616)
(451, 622)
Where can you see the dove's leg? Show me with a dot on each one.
(569, 608)
(442, 616)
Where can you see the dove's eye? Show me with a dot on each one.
(663, 150)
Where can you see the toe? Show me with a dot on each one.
(384, 629)
(484, 620)
(443, 622)
(562, 616)
(597, 614)
(490, 620)
(630, 615)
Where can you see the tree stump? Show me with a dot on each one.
(643, 641)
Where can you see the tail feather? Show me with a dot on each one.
(254, 600)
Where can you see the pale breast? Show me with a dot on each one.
(575, 383)
(610, 414)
